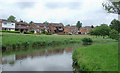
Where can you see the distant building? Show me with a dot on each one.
(74, 30)
(71, 30)
(21, 26)
(56, 27)
(7, 25)
(39, 27)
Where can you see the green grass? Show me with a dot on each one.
(97, 57)
(13, 41)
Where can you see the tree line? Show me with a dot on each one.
(104, 30)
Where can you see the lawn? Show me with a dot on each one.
(97, 57)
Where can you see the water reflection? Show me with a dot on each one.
(43, 60)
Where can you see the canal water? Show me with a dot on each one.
(57, 59)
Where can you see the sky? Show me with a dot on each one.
(88, 12)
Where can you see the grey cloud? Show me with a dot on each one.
(70, 5)
(24, 5)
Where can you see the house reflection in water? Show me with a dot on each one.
(13, 58)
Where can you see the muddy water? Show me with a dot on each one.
(42, 60)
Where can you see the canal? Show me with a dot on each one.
(55, 58)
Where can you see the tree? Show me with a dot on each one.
(11, 18)
(32, 30)
(92, 26)
(45, 22)
(114, 34)
(79, 24)
(112, 7)
(102, 30)
(115, 24)
(68, 25)
(31, 22)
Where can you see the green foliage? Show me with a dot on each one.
(87, 41)
(92, 26)
(68, 25)
(28, 32)
(102, 30)
(32, 31)
(44, 32)
(31, 22)
(79, 24)
(97, 57)
(114, 34)
(45, 22)
(11, 18)
(10, 31)
(115, 24)
(112, 8)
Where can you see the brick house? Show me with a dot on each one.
(39, 27)
(21, 26)
(56, 27)
(71, 30)
(85, 30)
(7, 25)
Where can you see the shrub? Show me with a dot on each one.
(48, 33)
(32, 31)
(87, 41)
(114, 34)
(28, 32)
(10, 31)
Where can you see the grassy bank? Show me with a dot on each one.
(12, 41)
(15, 41)
(97, 57)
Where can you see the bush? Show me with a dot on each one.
(32, 31)
(114, 34)
(28, 32)
(10, 31)
(87, 41)
(48, 33)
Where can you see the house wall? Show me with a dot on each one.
(8, 25)
(20, 25)
(83, 31)
(69, 29)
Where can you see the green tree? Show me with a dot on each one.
(11, 18)
(102, 30)
(114, 34)
(31, 22)
(32, 30)
(92, 26)
(68, 25)
(112, 7)
(79, 24)
(45, 22)
(115, 24)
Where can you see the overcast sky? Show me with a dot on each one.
(89, 12)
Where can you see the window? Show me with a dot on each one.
(5, 23)
(19, 25)
(44, 26)
(37, 25)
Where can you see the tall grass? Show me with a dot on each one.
(98, 57)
